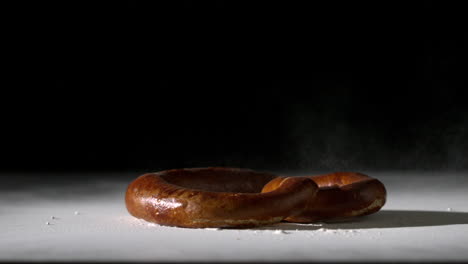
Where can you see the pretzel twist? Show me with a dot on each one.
(232, 197)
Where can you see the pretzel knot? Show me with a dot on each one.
(233, 197)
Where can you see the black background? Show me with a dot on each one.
(144, 86)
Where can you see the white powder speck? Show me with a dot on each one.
(332, 231)
(47, 223)
(279, 231)
(449, 209)
(77, 213)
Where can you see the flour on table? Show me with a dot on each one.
(279, 231)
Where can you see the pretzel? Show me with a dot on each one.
(233, 197)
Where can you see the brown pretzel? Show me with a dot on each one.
(216, 197)
(229, 197)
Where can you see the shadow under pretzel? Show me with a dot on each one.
(384, 219)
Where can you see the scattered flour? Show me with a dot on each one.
(279, 231)
(337, 231)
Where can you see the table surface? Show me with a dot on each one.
(425, 219)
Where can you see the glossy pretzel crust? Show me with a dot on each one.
(232, 197)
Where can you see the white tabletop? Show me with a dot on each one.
(425, 219)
